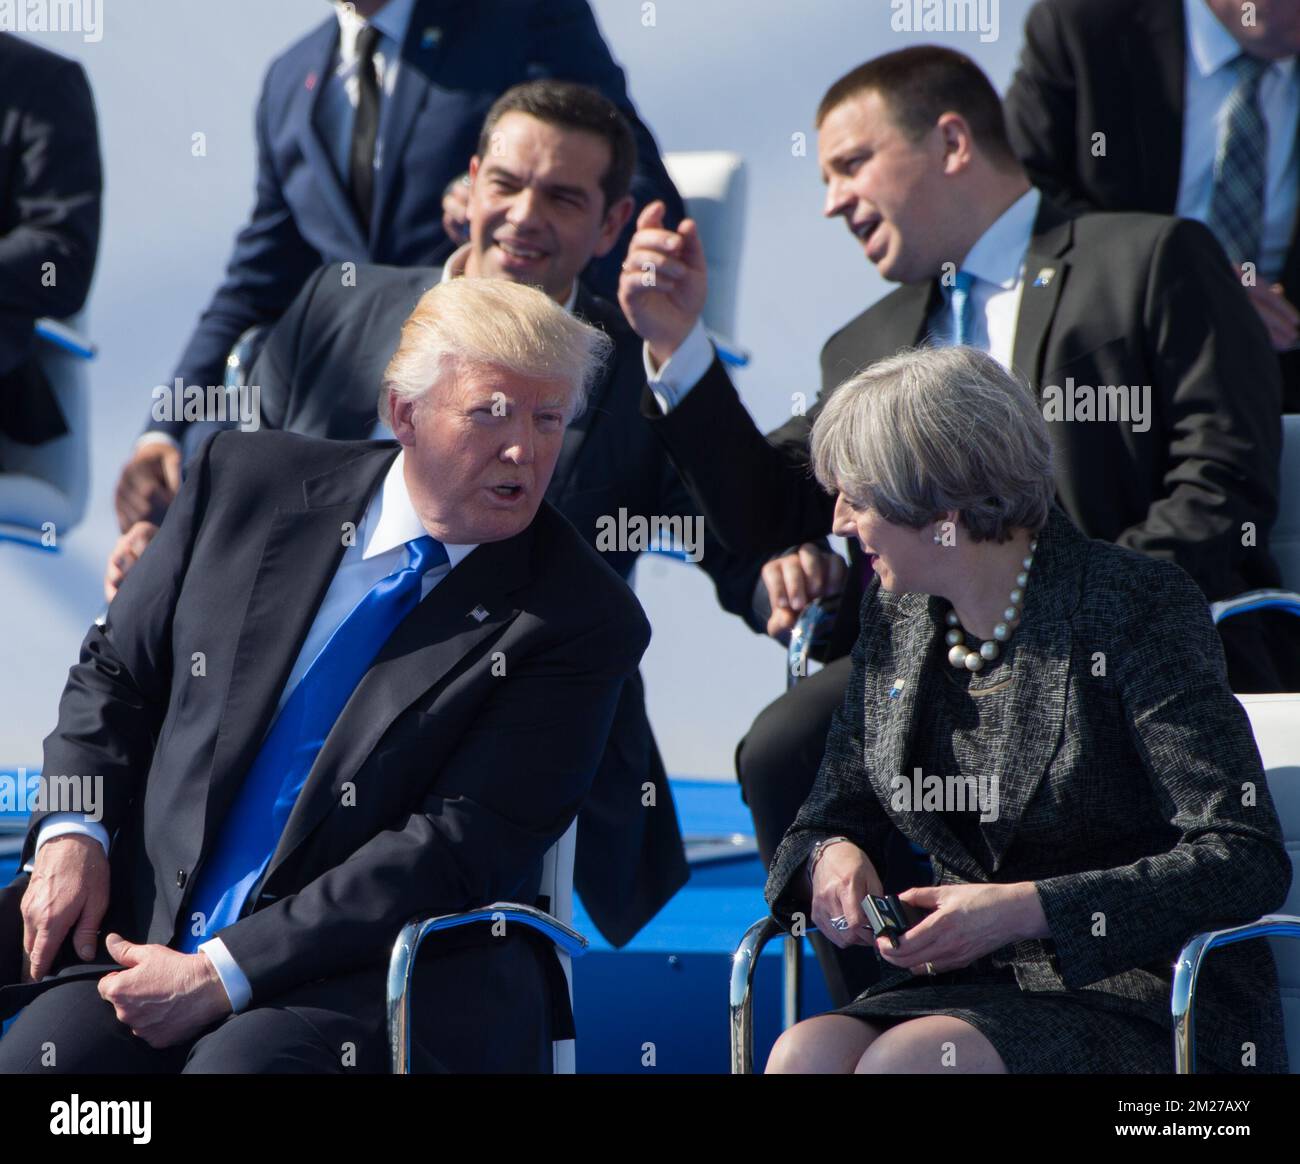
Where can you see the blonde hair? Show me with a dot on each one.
(934, 429)
(498, 323)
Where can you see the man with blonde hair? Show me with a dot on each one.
(401, 711)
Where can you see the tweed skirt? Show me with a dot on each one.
(1034, 1033)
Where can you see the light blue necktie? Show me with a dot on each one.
(1240, 160)
(256, 819)
(963, 308)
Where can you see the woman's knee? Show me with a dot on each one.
(829, 1044)
(933, 1045)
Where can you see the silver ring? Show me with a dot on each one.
(840, 923)
(929, 969)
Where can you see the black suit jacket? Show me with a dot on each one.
(319, 373)
(1115, 67)
(458, 58)
(50, 185)
(442, 783)
(1132, 299)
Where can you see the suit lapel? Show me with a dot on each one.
(420, 54)
(1046, 270)
(595, 312)
(302, 548)
(468, 606)
(894, 693)
(324, 48)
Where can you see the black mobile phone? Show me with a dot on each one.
(889, 917)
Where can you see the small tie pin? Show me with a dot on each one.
(478, 614)
(897, 689)
(1045, 277)
(430, 37)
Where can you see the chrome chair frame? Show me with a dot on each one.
(401, 964)
(1188, 967)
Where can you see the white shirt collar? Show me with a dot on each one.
(999, 252)
(454, 267)
(391, 520)
(1211, 46)
(392, 21)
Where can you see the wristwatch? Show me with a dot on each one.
(818, 849)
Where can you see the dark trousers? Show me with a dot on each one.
(482, 1008)
(777, 763)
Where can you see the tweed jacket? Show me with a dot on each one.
(1131, 791)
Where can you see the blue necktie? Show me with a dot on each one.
(256, 819)
(1241, 158)
(963, 308)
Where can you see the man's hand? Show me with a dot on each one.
(968, 922)
(68, 893)
(1280, 316)
(455, 210)
(664, 282)
(126, 552)
(149, 483)
(843, 877)
(795, 580)
(165, 997)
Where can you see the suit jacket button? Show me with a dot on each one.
(181, 878)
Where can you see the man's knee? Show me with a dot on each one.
(278, 1041)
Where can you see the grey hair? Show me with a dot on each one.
(935, 429)
(498, 323)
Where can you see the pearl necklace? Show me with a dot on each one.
(963, 657)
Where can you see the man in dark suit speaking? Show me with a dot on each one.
(350, 683)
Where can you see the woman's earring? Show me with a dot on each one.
(938, 538)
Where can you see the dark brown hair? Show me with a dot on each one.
(572, 106)
(921, 83)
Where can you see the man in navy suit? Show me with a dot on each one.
(49, 221)
(401, 714)
(361, 126)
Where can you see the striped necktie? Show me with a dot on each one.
(1240, 161)
(252, 827)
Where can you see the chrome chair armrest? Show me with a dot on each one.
(1188, 968)
(803, 637)
(744, 963)
(1288, 600)
(401, 963)
(243, 355)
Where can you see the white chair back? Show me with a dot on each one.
(50, 482)
(1275, 720)
(712, 184)
(557, 885)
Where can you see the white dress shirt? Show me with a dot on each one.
(390, 521)
(1207, 83)
(997, 261)
(336, 108)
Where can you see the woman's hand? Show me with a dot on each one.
(843, 877)
(967, 922)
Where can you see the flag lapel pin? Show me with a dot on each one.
(1044, 277)
(478, 614)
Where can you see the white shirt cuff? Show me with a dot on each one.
(156, 438)
(62, 824)
(670, 384)
(232, 977)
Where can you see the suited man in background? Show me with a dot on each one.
(360, 127)
(550, 191)
(1187, 107)
(445, 684)
(50, 186)
(914, 154)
